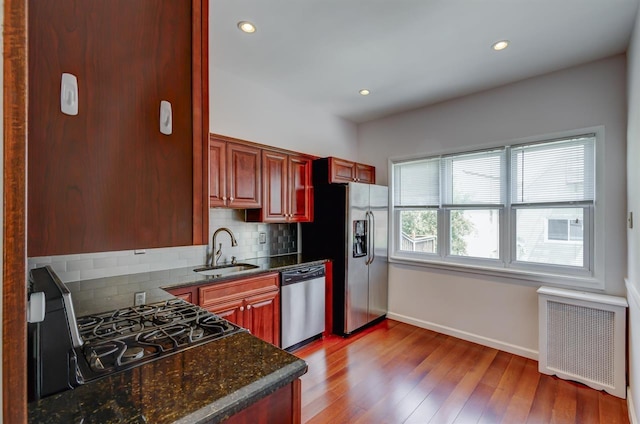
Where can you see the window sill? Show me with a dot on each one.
(521, 276)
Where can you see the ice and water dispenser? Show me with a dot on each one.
(359, 238)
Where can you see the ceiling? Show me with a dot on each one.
(408, 53)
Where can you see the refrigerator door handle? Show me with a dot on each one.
(371, 237)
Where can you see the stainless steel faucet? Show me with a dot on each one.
(216, 256)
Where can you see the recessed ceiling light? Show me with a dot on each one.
(246, 26)
(364, 92)
(500, 45)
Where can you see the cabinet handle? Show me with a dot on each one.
(231, 199)
(224, 198)
(248, 307)
(241, 308)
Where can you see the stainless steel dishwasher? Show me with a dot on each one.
(303, 302)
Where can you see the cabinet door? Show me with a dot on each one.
(274, 203)
(300, 190)
(217, 173)
(262, 316)
(341, 171)
(365, 173)
(232, 310)
(244, 176)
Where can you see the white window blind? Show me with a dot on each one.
(560, 171)
(474, 178)
(417, 183)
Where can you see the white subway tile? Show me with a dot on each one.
(80, 265)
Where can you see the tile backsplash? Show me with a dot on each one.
(278, 239)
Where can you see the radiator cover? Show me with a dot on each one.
(582, 338)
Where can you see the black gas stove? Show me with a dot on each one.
(65, 352)
(125, 338)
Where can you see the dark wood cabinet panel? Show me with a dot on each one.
(190, 293)
(344, 171)
(365, 173)
(336, 170)
(232, 310)
(262, 316)
(217, 173)
(274, 177)
(253, 303)
(341, 171)
(287, 189)
(281, 407)
(244, 182)
(235, 179)
(107, 179)
(300, 189)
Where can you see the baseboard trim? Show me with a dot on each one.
(632, 410)
(464, 335)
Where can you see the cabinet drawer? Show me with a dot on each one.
(222, 292)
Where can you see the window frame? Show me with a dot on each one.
(507, 265)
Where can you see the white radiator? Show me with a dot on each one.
(582, 338)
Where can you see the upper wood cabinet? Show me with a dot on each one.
(235, 179)
(336, 170)
(287, 189)
(107, 178)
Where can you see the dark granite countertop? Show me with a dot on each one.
(204, 384)
(111, 293)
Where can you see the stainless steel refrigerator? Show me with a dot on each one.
(350, 228)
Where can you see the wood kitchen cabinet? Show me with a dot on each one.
(282, 407)
(189, 293)
(336, 170)
(107, 179)
(252, 303)
(287, 189)
(234, 174)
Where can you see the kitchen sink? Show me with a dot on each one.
(224, 270)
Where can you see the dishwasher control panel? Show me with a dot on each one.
(301, 274)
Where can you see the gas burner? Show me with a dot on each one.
(132, 354)
(167, 316)
(215, 324)
(135, 311)
(88, 322)
(196, 333)
(108, 330)
(102, 356)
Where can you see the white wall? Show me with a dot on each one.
(242, 109)
(633, 205)
(483, 308)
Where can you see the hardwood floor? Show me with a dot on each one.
(398, 373)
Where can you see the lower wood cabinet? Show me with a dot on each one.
(190, 294)
(281, 407)
(252, 303)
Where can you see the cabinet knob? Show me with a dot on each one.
(224, 198)
(248, 307)
(241, 308)
(231, 199)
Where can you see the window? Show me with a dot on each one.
(524, 207)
